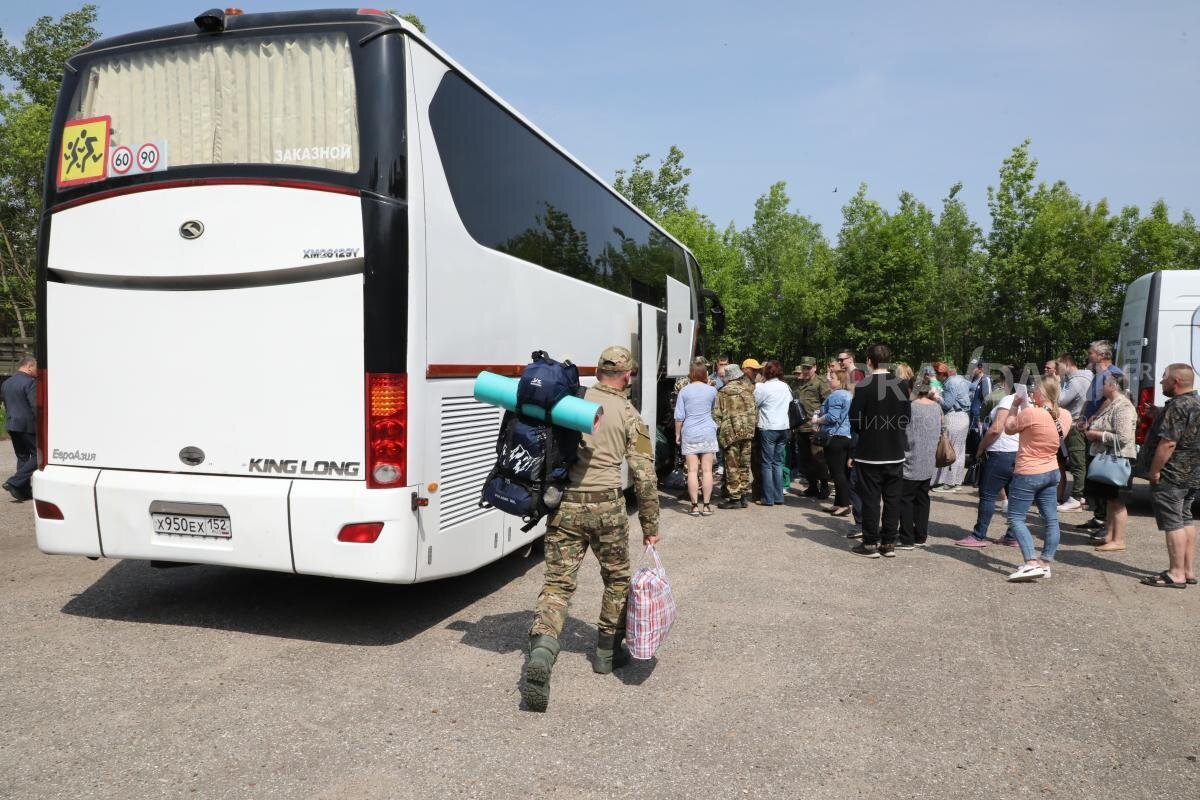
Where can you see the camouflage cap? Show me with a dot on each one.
(700, 361)
(616, 359)
(808, 361)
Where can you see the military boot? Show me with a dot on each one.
(610, 652)
(535, 686)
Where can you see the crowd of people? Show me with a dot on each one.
(874, 439)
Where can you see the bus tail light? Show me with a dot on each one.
(360, 532)
(46, 510)
(1145, 412)
(387, 429)
(43, 415)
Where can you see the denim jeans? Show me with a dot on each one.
(1024, 491)
(997, 474)
(772, 450)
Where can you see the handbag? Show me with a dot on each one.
(945, 455)
(652, 609)
(795, 414)
(1110, 468)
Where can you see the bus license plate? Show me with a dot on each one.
(190, 525)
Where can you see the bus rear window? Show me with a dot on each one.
(286, 100)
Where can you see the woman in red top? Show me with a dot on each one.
(1042, 426)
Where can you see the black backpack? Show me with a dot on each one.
(534, 457)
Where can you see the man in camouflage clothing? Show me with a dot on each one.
(736, 417)
(592, 514)
(810, 391)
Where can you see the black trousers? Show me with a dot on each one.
(880, 482)
(25, 447)
(914, 512)
(809, 464)
(837, 452)
(1099, 503)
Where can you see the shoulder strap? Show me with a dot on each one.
(1057, 424)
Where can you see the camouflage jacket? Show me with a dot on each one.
(811, 394)
(621, 436)
(736, 414)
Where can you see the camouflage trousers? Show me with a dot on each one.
(571, 530)
(737, 468)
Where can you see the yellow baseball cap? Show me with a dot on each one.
(750, 363)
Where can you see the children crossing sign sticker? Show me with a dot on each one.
(84, 154)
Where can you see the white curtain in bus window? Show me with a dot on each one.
(277, 100)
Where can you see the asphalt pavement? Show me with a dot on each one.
(794, 670)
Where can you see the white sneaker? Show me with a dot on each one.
(1026, 573)
(1071, 505)
(1047, 576)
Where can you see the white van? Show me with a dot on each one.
(1159, 326)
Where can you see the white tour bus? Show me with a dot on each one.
(277, 249)
(1160, 325)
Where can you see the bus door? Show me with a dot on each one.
(681, 328)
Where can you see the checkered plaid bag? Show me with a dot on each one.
(651, 609)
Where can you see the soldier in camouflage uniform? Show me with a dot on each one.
(736, 418)
(592, 514)
(811, 390)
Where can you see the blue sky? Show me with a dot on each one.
(909, 96)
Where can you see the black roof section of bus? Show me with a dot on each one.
(239, 22)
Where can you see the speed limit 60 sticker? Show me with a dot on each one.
(121, 161)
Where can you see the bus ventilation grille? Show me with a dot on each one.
(469, 431)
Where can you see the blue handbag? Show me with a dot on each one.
(1109, 468)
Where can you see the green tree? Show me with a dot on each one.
(35, 69)
(887, 261)
(792, 293)
(1057, 265)
(656, 193)
(954, 296)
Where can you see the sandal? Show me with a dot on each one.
(707, 512)
(695, 512)
(1162, 581)
(840, 512)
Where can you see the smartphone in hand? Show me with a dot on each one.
(1022, 393)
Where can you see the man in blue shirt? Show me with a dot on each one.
(956, 404)
(719, 372)
(1100, 353)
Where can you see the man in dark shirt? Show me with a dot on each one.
(1175, 476)
(879, 415)
(20, 419)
